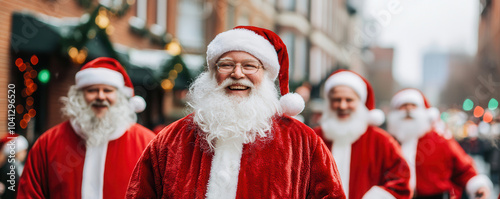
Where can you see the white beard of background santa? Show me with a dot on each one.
(94, 130)
(344, 131)
(406, 126)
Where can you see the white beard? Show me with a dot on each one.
(405, 130)
(344, 131)
(224, 117)
(96, 131)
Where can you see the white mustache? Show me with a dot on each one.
(230, 81)
(100, 103)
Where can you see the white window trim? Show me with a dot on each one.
(142, 9)
(161, 13)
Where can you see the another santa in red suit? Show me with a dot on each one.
(240, 141)
(93, 154)
(439, 167)
(369, 160)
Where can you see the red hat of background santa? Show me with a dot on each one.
(108, 71)
(266, 46)
(17, 141)
(362, 87)
(414, 96)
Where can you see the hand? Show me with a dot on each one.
(482, 193)
(2, 188)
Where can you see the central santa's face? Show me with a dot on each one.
(100, 97)
(343, 101)
(236, 89)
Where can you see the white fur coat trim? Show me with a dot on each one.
(223, 181)
(95, 161)
(342, 155)
(409, 150)
(377, 192)
(477, 182)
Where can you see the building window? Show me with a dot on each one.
(316, 13)
(190, 19)
(142, 9)
(289, 40)
(230, 17)
(303, 7)
(289, 4)
(300, 54)
(244, 19)
(161, 13)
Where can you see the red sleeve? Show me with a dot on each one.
(145, 181)
(33, 182)
(325, 178)
(463, 169)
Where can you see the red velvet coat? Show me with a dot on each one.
(441, 165)
(54, 165)
(376, 160)
(293, 163)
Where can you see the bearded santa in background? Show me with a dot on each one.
(369, 160)
(439, 167)
(93, 154)
(239, 141)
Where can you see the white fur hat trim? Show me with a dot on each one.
(247, 41)
(346, 78)
(408, 96)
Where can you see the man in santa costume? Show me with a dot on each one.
(240, 141)
(369, 160)
(93, 154)
(439, 167)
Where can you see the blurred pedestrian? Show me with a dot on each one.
(369, 160)
(93, 154)
(14, 149)
(240, 141)
(439, 166)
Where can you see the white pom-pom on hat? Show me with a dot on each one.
(433, 113)
(292, 104)
(376, 117)
(137, 103)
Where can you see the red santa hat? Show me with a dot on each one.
(266, 46)
(13, 143)
(414, 96)
(105, 70)
(362, 87)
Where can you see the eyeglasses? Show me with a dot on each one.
(247, 67)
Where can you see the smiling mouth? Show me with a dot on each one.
(99, 106)
(238, 87)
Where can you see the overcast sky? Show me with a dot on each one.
(420, 25)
